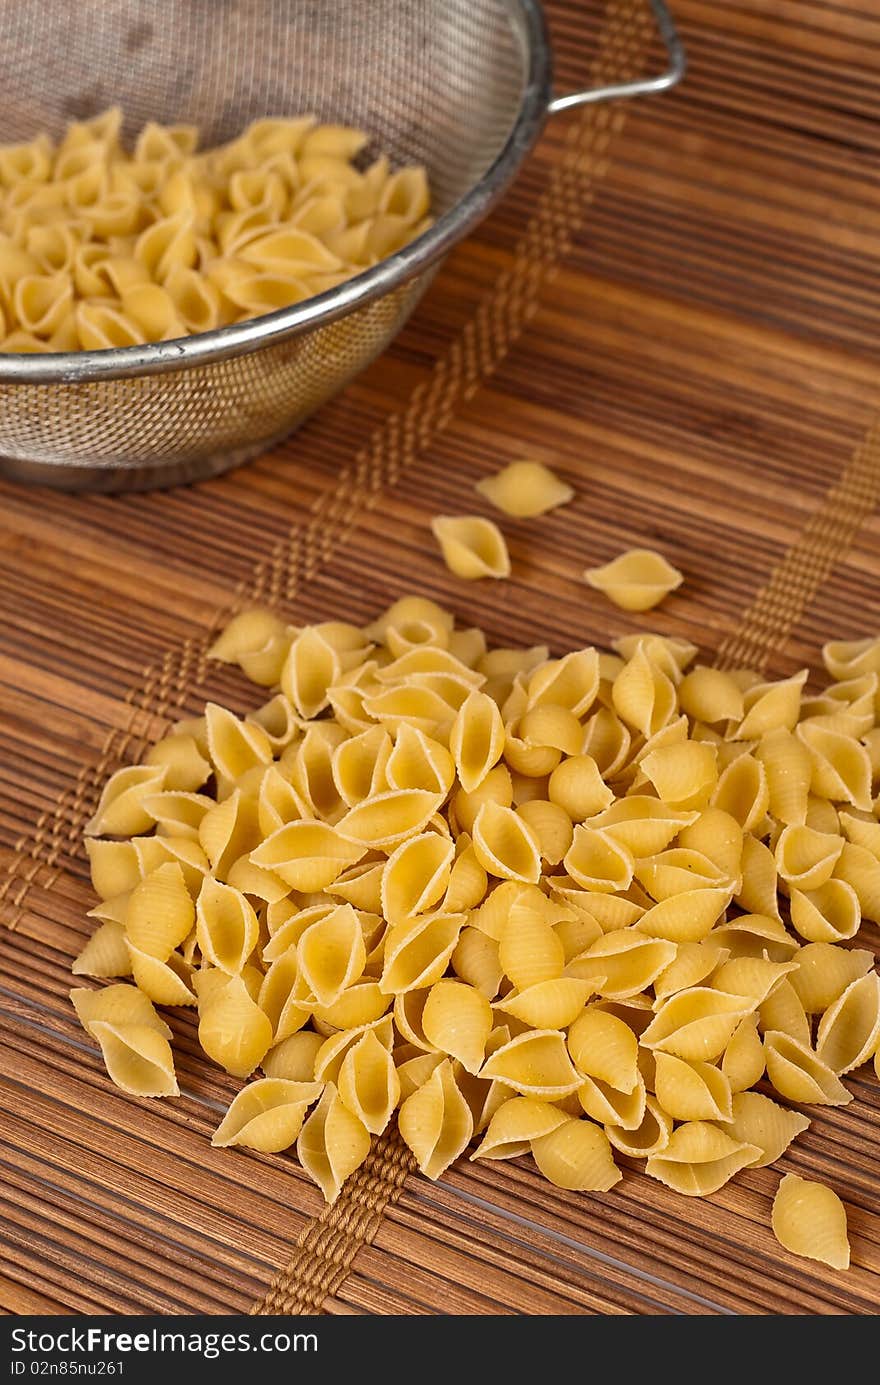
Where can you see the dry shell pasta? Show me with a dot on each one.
(636, 580)
(572, 907)
(472, 547)
(525, 489)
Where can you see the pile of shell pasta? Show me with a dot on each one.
(566, 907)
(103, 248)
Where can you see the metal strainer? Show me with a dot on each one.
(462, 86)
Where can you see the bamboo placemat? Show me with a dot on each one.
(677, 308)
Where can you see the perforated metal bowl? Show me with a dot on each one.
(462, 86)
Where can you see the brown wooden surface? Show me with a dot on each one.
(678, 307)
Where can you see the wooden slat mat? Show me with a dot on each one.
(678, 307)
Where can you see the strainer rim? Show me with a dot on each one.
(222, 343)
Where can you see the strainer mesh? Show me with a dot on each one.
(434, 81)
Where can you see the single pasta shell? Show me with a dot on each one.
(476, 961)
(361, 1003)
(160, 912)
(267, 1114)
(829, 914)
(699, 1159)
(692, 1091)
(753, 977)
(849, 1030)
(683, 775)
(709, 695)
(824, 972)
(116, 1005)
(388, 818)
(810, 1220)
(597, 862)
(137, 1057)
(529, 951)
(604, 1047)
(622, 963)
(332, 954)
(416, 875)
(233, 1030)
(458, 1021)
(294, 1058)
(120, 811)
(309, 856)
(505, 845)
(789, 770)
(226, 926)
(476, 740)
(806, 858)
(472, 547)
(743, 792)
(332, 1144)
(436, 1122)
(644, 826)
(610, 1107)
(693, 962)
(577, 1155)
(515, 1124)
(687, 917)
(696, 1024)
(637, 580)
(756, 1120)
(418, 952)
(105, 954)
(799, 1075)
(651, 1137)
(525, 489)
(368, 1082)
(166, 983)
(534, 1064)
(553, 1004)
(743, 1060)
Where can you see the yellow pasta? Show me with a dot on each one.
(709, 695)
(576, 1155)
(505, 845)
(368, 1082)
(517, 1122)
(849, 1030)
(267, 1114)
(416, 876)
(233, 1029)
(574, 905)
(120, 811)
(697, 1024)
(692, 1091)
(743, 1060)
(525, 490)
(106, 953)
(810, 1220)
(471, 547)
(333, 1143)
(294, 1058)
(534, 1064)
(457, 1020)
(331, 954)
(636, 580)
(824, 972)
(700, 1158)
(162, 242)
(799, 1074)
(137, 1058)
(756, 1120)
(436, 1122)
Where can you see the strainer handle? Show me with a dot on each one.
(642, 85)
